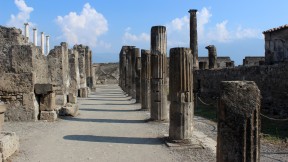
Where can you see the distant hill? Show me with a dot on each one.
(106, 73)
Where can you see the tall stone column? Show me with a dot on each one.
(212, 55)
(145, 80)
(35, 36)
(47, 44)
(194, 37)
(239, 122)
(122, 67)
(129, 70)
(138, 79)
(159, 109)
(42, 42)
(181, 90)
(135, 54)
(26, 25)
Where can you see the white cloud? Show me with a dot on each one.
(128, 37)
(84, 28)
(178, 30)
(22, 17)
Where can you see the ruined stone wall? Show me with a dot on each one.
(276, 46)
(58, 66)
(272, 81)
(253, 61)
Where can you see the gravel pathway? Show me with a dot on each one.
(110, 127)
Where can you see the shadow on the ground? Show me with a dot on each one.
(108, 139)
(106, 99)
(106, 104)
(104, 120)
(110, 110)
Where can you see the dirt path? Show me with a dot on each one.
(109, 128)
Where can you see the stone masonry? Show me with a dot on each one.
(239, 122)
(181, 89)
(159, 109)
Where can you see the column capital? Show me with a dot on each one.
(26, 23)
(192, 11)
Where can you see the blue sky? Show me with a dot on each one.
(234, 27)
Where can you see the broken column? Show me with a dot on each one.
(212, 55)
(47, 44)
(122, 68)
(194, 37)
(83, 91)
(135, 53)
(35, 37)
(181, 90)
(145, 80)
(27, 31)
(239, 122)
(42, 42)
(159, 109)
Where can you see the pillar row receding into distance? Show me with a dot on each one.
(181, 90)
(134, 56)
(42, 42)
(159, 109)
(194, 37)
(239, 122)
(145, 80)
(35, 36)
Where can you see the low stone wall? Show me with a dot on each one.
(272, 81)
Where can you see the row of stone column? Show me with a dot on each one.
(35, 38)
(236, 142)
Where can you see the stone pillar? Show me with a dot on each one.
(145, 80)
(27, 31)
(181, 90)
(135, 54)
(47, 44)
(239, 122)
(129, 55)
(35, 36)
(122, 68)
(138, 79)
(194, 37)
(212, 55)
(42, 42)
(159, 109)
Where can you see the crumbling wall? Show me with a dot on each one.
(58, 66)
(272, 81)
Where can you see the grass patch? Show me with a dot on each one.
(271, 131)
(208, 112)
(274, 131)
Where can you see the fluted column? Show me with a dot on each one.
(181, 93)
(194, 37)
(47, 44)
(35, 36)
(212, 55)
(159, 109)
(145, 80)
(27, 31)
(42, 43)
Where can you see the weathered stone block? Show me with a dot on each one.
(43, 88)
(239, 122)
(9, 144)
(50, 116)
(48, 102)
(72, 98)
(83, 92)
(69, 110)
(2, 110)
